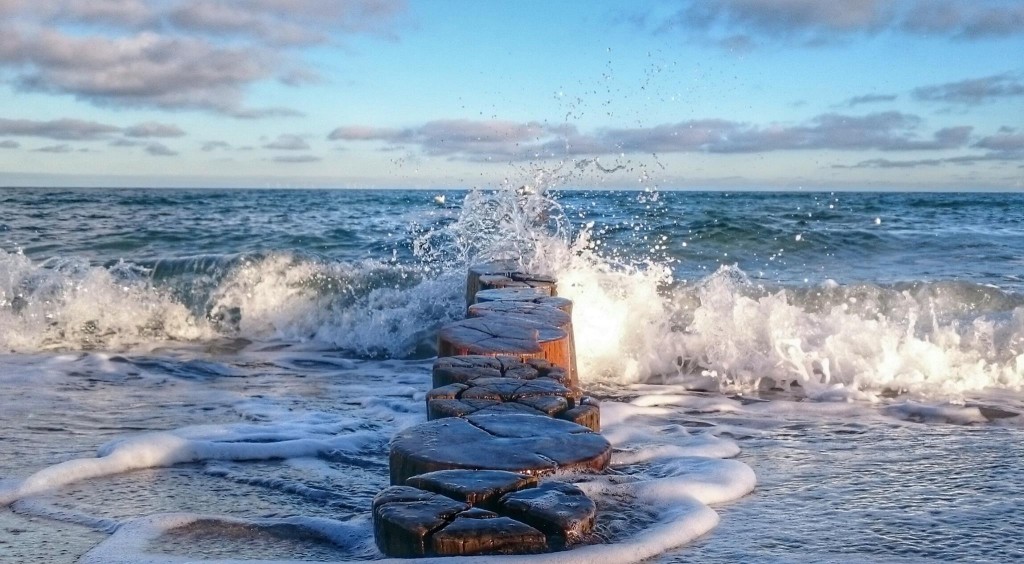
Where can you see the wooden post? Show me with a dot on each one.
(505, 408)
(532, 311)
(495, 335)
(504, 274)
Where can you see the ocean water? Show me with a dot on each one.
(191, 375)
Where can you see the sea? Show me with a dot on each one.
(804, 376)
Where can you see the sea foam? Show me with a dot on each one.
(634, 321)
(643, 514)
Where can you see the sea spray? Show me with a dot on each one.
(369, 308)
(635, 322)
(69, 303)
(637, 317)
(288, 350)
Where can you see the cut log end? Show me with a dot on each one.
(535, 445)
(498, 335)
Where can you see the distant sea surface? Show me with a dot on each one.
(806, 376)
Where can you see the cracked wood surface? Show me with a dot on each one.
(505, 274)
(507, 336)
(538, 313)
(463, 369)
(527, 444)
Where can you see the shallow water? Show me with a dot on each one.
(873, 490)
(216, 374)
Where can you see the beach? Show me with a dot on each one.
(798, 376)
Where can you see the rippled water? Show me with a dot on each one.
(216, 374)
(868, 490)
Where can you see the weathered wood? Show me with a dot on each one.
(512, 389)
(479, 488)
(404, 518)
(533, 312)
(587, 413)
(532, 295)
(523, 310)
(588, 416)
(514, 294)
(516, 280)
(462, 369)
(496, 281)
(539, 396)
(527, 444)
(506, 336)
(438, 409)
(552, 406)
(558, 509)
(488, 337)
(450, 391)
(500, 268)
(504, 410)
(504, 274)
(410, 522)
(467, 536)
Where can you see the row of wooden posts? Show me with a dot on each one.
(505, 411)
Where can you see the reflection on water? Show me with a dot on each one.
(221, 540)
(847, 491)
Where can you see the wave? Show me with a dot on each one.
(634, 321)
(725, 332)
(369, 308)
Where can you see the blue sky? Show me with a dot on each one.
(733, 94)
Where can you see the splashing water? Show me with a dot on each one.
(238, 388)
(635, 323)
(69, 301)
(635, 319)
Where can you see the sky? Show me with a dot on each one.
(667, 94)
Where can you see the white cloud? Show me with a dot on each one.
(973, 91)
(288, 143)
(160, 150)
(59, 129)
(154, 129)
(494, 140)
(296, 159)
(746, 23)
(187, 54)
(62, 148)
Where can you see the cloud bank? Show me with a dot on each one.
(167, 54)
(973, 91)
(288, 143)
(748, 23)
(82, 130)
(487, 140)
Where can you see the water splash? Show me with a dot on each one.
(60, 302)
(634, 321)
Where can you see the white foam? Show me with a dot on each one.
(68, 302)
(634, 323)
(691, 475)
(129, 543)
(744, 340)
(163, 449)
(367, 307)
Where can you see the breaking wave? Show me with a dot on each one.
(634, 321)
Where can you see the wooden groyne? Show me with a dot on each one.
(505, 410)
